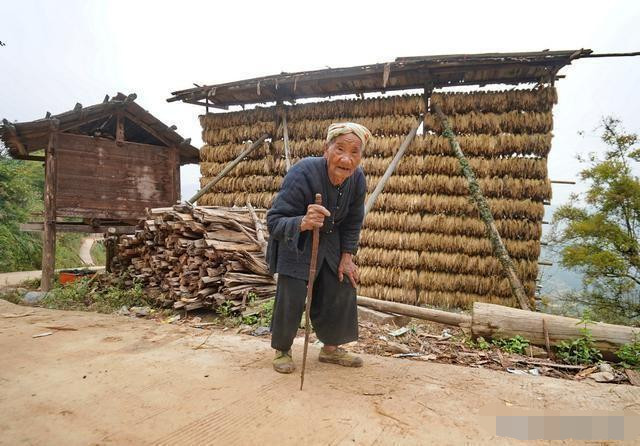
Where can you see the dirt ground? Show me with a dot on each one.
(107, 379)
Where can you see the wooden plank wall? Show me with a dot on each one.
(99, 178)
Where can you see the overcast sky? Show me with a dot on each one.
(63, 52)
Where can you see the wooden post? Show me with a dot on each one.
(485, 213)
(49, 233)
(119, 128)
(259, 229)
(392, 166)
(175, 173)
(228, 168)
(285, 137)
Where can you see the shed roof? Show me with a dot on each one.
(141, 126)
(402, 74)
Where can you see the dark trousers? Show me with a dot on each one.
(334, 312)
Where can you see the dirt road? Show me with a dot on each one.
(106, 379)
(85, 249)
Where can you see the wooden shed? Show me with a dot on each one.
(106, 163)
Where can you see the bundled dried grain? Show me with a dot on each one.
(444, 224)
(461, 300)
(457, 205)
(238, 134)
(537, 100)
(393, 294)
(261, 200)
(448, 165)
(474, 246)
(502, 145)
(493, 123)
(446, 185)
(225, 153)
(442, 262)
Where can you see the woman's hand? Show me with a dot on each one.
(349, 268)
(314, 218)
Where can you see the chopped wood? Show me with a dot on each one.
(198, 257)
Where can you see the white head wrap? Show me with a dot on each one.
(342, 128)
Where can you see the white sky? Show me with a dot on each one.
(63, 52)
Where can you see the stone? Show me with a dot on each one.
(141, 311)
(602, 377)
(33, 297)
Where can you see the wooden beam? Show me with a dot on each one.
(148, 128)
(120, 138)
(175, 170)
(442, 317)
(13, 135)
(80, 228)
(30, 158)
(49, 234)
(285, 136)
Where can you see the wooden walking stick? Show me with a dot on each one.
(312, 275)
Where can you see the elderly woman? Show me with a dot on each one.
(291, 219)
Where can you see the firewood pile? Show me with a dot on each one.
(198, 257)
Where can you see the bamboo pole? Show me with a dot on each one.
(285, 137)
(259, 229)
(485, 213)
(392, 167)
(228, 168)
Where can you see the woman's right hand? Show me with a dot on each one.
(314, 218)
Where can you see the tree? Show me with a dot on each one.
(21, 186)
(597, 232)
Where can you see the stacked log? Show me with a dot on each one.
(198, 257)
(424, 241)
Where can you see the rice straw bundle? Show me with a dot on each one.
(253, 183)
(473, 246)
(458, 205)
(239, 133)
(447, 185)
(537, 100)
(383, 125)
(493, 123)
(460, 300)
(441, 262)
(393, 294)
(532, 168)
(424, 242)
(437, 281)
(445, 224)
(505, 144)
(241, 117)
(225, 153)
(259, 200)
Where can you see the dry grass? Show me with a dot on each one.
(444, 224)
(423, 242)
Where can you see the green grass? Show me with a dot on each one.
(99, 253)
(86, 295)
(67, 248)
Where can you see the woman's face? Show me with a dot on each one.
(343, 155)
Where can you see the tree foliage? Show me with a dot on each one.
(21, 186)
(597, 231)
